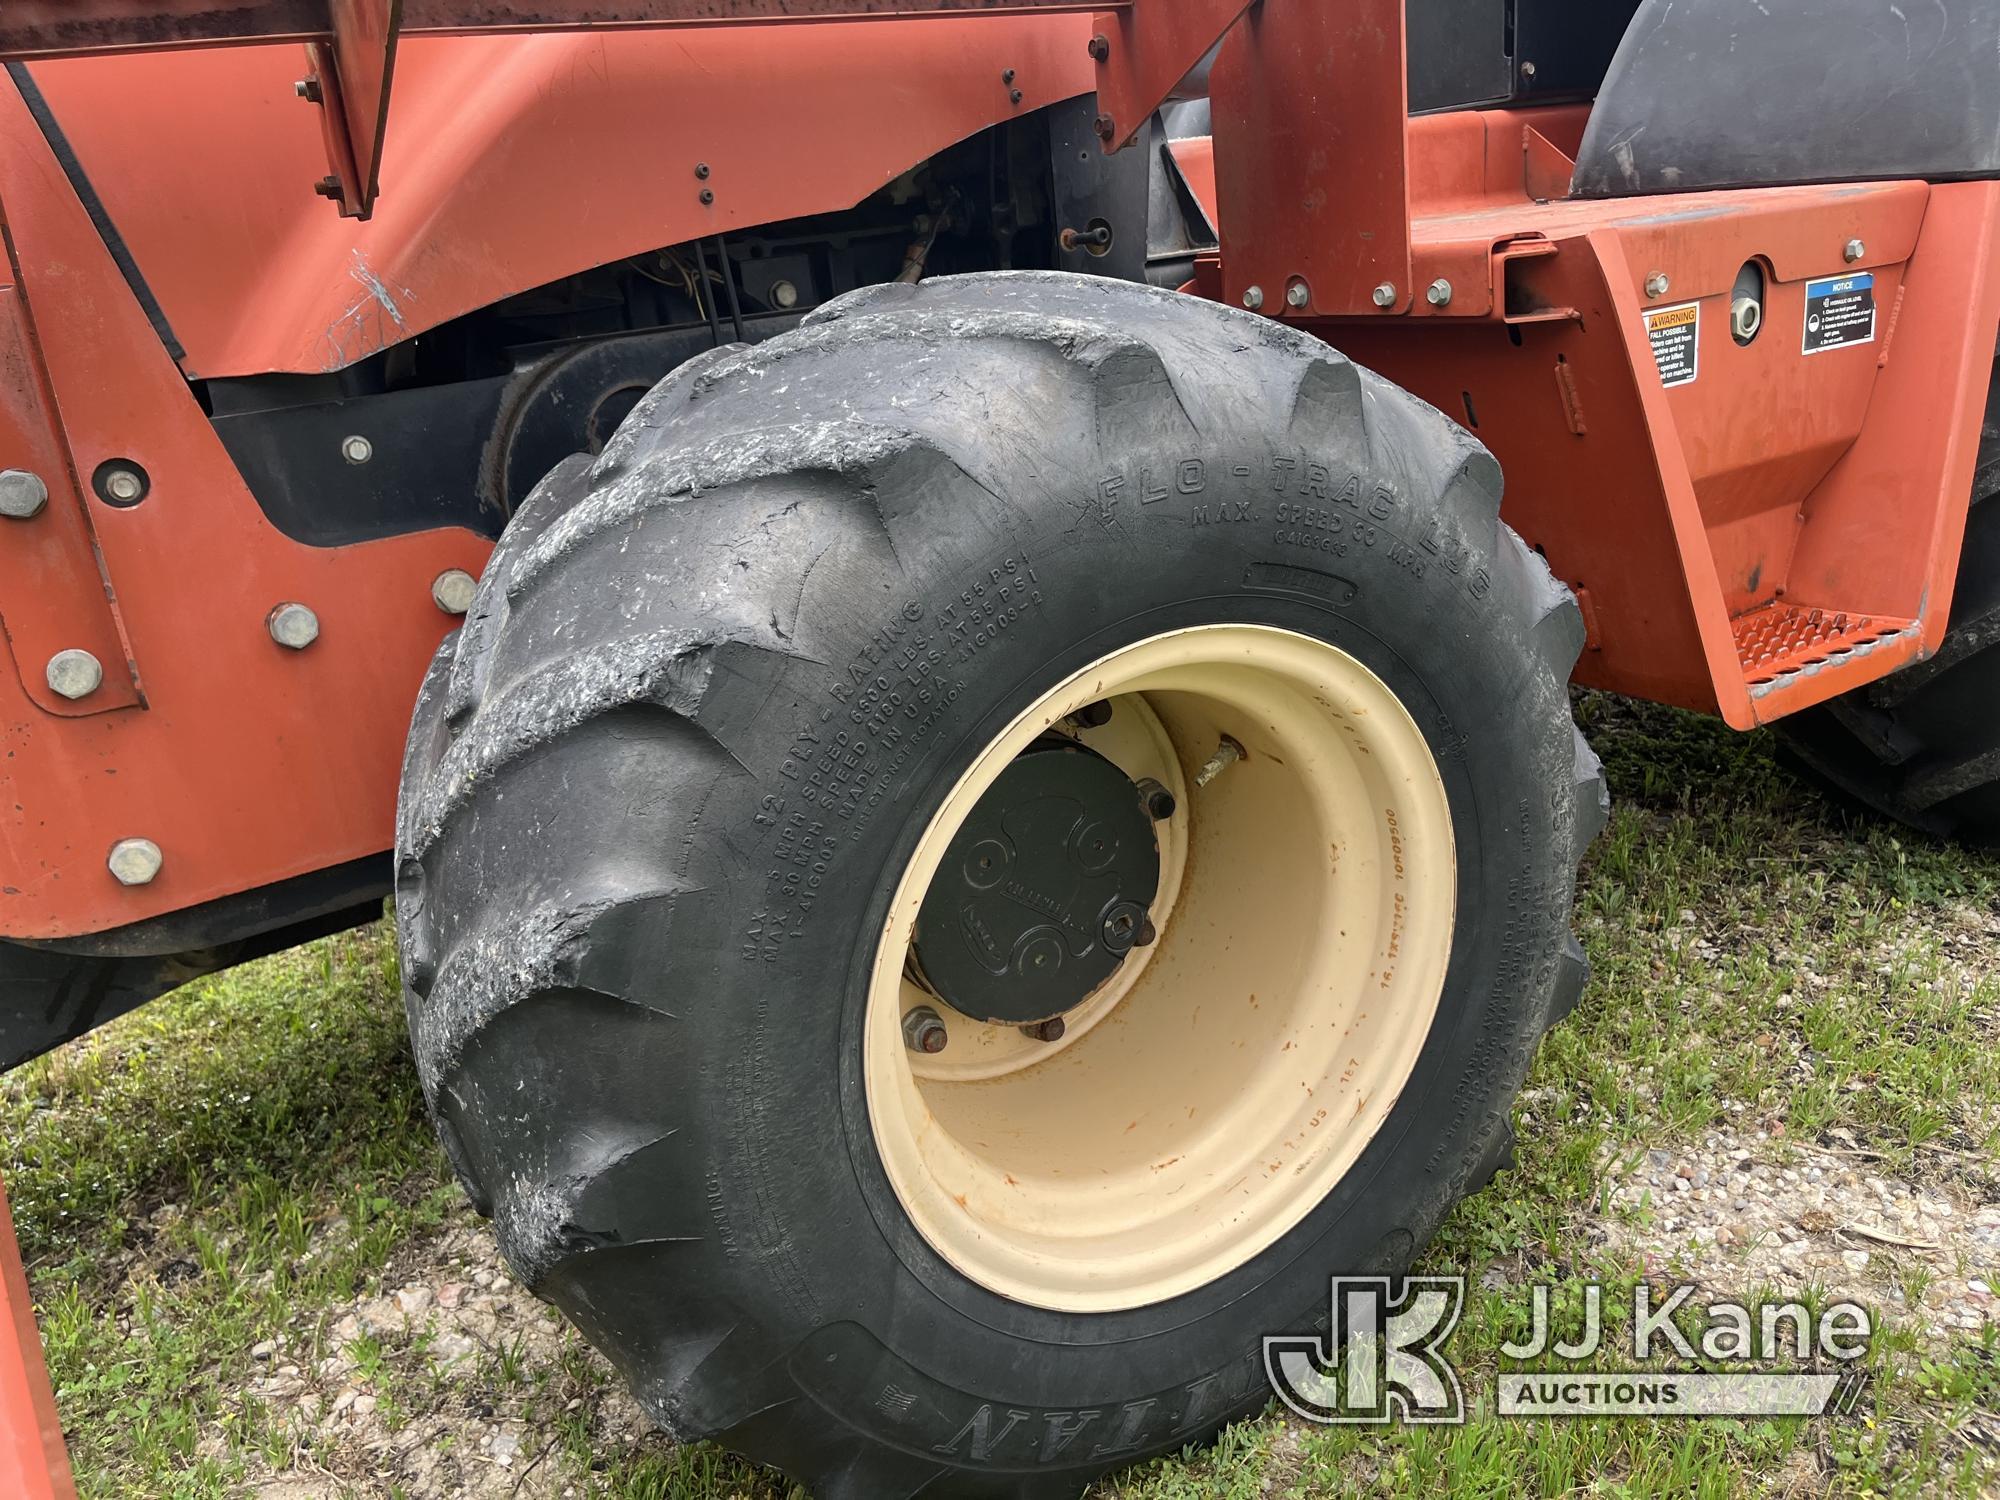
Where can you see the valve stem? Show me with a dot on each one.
(1227, 753)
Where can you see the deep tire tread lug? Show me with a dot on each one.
(1572, 978)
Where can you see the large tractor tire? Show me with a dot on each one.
(1125, 694)
(1922, 746)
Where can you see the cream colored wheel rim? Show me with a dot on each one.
(1220, 1084)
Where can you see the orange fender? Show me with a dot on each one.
(512, 161)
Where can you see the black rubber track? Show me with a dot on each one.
(1923, 745)
(661, 784)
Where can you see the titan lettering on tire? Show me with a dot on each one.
(1135, 686)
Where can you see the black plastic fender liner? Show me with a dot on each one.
(1757, 93)
(55, 990)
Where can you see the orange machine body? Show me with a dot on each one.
(516, 160)
(1777, 529)
(1752, 527)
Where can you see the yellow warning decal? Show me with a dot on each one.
(1675, 334)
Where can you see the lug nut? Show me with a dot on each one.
(1227, 753)
(293, 626)
(452, 590)
(134, 861)
(1657, 284)
(74, 674)
(356, 449)
(1156, 799)
(1093, 715)
(22, 494)
(1050, 1030)
(1854, 250)
(1253, 297)
(1438, 294)
(923, 1031)
(1385, 294)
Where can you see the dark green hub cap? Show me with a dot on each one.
(1043, 890)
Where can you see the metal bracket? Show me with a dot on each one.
(54, 593)
(347, 76)
(1311, 106)
(1144, 51)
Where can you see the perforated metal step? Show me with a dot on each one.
(1778, 642)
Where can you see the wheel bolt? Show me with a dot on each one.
(1093, 715)
(1050, 1030)
(1157, 800)
(923, 1031)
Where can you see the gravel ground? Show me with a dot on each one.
(1749, 1209)
(1738, 1211)
(453, 1341)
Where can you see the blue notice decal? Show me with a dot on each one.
(1839, 311)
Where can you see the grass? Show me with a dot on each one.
(246, 1158)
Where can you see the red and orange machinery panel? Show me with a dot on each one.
(1775, 531)
(1777, 527)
